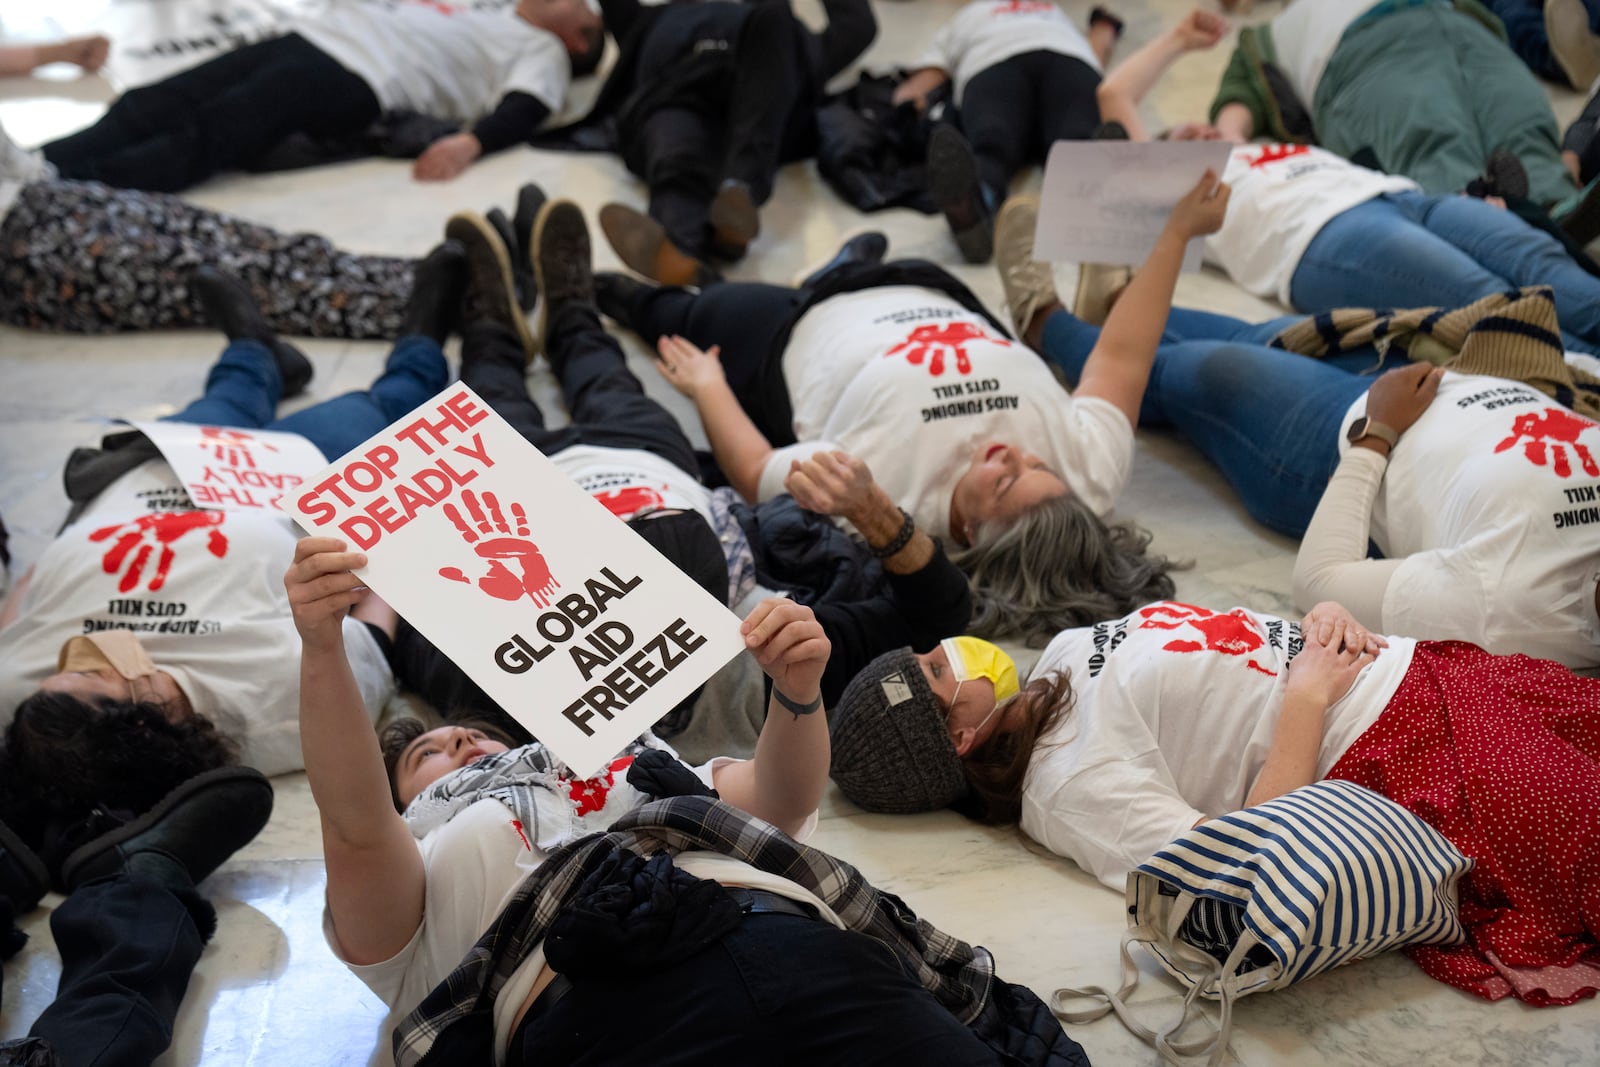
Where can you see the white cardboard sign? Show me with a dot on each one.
(227, 469)
(1106, 201)
(568, 619)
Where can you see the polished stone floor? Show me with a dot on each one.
(267, 991)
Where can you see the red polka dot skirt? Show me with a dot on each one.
(1501, 754)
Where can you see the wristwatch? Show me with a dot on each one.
(1365, 427)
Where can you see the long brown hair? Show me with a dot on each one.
(995, 770)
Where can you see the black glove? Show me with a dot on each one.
(663, 775)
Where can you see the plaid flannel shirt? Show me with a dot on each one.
(455, 1023)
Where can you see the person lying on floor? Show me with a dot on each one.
(1478, 501)
(332, 75)
(1315, 231)
(438, 841)
(1129, 732)
(705, 102)
(899, 365)
(1024, 77)
(630, 454)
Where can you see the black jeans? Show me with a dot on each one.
(1015, 110)
(738, 126)
(777, 989)
(220, 115)
(128, 946)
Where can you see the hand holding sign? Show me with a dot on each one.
(322, 590)
(788, 642)
(534, 581)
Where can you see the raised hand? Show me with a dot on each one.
(1550, 436)
(788, 642)
(1200, 29)
(531, 576)
(138, 540)
(322, 590)
(1202, 209)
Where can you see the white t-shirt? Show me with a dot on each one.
(440, 59)
(1306, 36)
(1173, 712)
(479, 858)
(630, 480)
(986, 32)
(215, 615)
(1283, 195)
(911, 382)
(1493, 500)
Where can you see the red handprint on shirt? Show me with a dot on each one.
(935, 343)
(1277, 153)
(141, 538)
(501, 582)
(1549, 436)
(1023, 7)
(627, 502)
(589, 794)
(1232, 634)
(232, 447)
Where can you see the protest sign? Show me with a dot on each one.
(225, 469)
(1107, 201)
(567, 618)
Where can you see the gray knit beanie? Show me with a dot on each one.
(891, 751)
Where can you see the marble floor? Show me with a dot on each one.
(267, 991)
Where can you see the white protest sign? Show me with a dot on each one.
(1107, 201)
(567, 618)
(227, 469)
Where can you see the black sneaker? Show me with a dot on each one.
(23, 876)
(198, 826)
(953, 183)
(617, 296)
(436, 288)
(521, 277)
(230, 308)
(735, 222)
(869, 247)
(530, 201)
(491, 291)
(562, 260)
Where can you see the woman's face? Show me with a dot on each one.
(1000, 483)
(437, 753)
(106, 684)
(969, 706)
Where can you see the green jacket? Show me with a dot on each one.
(1254, 79)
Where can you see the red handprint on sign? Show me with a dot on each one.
(934, 343)
(1549, 436)
(232, 447)
(1232, 634)
(140, 539)
(500, 581)
(628, 502)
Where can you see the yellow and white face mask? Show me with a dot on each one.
(973, 657)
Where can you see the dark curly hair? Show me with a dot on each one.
(64, 757)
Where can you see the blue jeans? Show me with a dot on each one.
(243, 389)
(1270, 420)
(1411, 250)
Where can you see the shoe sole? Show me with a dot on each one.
(466, 226)
(28, 862)
(82, 856)
(953, 185)
(541, 221)
(804, 273)
(735, 221)
(1087, 293)
(1019, 212)
(643, 246)
(1575, 49)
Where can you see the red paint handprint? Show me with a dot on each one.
(589, 794)
(935, 343)
(232, 447)
(1549, 436)
(628, 502)
(1277, 153)
(1232, 634)
(141, 538)
(1024, 7)
(501, 582)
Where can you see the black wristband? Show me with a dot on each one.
(901, 539)
(794, 707)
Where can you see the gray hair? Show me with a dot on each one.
(1057, 566)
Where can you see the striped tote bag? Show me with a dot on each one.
(1272, 895)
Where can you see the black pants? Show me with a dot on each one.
(128, 946)
(220, 115)
(777, 989)
(609, 409)
(1015, 110)
(737, 126)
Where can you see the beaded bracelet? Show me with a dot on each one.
(901, 539)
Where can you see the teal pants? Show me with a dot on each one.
(1431, 92)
